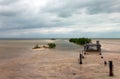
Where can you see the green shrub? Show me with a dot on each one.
(51, 45)
(80, 41)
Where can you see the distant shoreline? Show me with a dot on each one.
(54, 38)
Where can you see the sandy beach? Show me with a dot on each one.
(59, 63)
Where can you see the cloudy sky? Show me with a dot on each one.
(59, 18)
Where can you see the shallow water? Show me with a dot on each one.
(16, 48)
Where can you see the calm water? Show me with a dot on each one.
(17, 48)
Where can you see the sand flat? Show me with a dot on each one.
(58, 64)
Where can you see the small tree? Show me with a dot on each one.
(51, 45)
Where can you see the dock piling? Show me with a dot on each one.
(80, 58)
(111, 68)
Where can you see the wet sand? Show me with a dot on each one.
(59, 63)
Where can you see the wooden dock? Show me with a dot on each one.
(92, 47)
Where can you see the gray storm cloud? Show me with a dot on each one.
(69, 7)
(18, 17)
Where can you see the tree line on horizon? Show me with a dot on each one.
(80, 41)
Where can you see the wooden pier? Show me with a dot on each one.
(92, 47)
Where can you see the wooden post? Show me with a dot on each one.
(80, 58)
(105, 63)
(101, 57)
(100, 53)
(111, 68)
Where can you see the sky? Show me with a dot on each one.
(59, 18)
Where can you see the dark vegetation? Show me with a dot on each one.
(80, 41)
(53, 39)
(51, 45)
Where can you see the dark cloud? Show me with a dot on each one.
(22, 15)
(69, 7)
